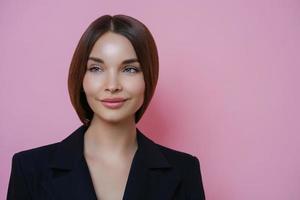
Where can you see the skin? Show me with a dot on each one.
(110, 141)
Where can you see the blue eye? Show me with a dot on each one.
(127, 69)
(132, 70)
(95, 68)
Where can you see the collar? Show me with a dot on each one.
(70, 151)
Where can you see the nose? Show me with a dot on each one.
(113, 83)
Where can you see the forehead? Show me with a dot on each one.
(113, 46)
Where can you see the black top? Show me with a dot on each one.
(59, 171)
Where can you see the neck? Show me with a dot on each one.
(107, 138)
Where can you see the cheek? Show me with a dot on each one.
(90, 84)
(136, 87)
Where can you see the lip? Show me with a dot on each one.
(112, 100)
(113, 103)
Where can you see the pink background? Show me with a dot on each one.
(228, 90)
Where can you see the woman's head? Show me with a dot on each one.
(88, 87)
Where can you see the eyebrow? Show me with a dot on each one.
(127, 61)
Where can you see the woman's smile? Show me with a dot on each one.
(114, 103)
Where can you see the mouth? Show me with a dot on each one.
(119, 99)
(113, 103)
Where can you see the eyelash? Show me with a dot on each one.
(95, 69)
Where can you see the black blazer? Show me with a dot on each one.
(59, 171)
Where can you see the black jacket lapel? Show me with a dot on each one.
(151, 175)
(71, 184)
(70, 176)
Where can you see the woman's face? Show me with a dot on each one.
(114, 82)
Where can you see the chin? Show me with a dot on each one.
(114, 118)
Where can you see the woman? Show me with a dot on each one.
(112, 78)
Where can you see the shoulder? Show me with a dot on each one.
(28, 168)
(34, 159)
(188, 167)
(166, 156)
(44, 155)
(179, 159)
(174, 155)
(37, 152)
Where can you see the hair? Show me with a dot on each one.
(144, 45)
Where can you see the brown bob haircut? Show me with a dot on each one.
(144, 45)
